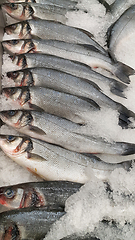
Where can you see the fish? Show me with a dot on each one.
(26, 11)
(20, 46)
(54, 163)
(54, 102)
(83, 237)
(86, 54)
(37, 194)
(120, 29)
(61, 3)
(55, 130)
(28, 223)
(63, 82)
(45, 29)
(75, 68)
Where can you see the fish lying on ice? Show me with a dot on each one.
(26, 11)
(43, 29)
(37, 194)
(28, 223)
(54, 102)
(74, 68)
(121, 29)
(54, 163)
(62, 132)
(78, 109)
(59, 3)
(87, 54)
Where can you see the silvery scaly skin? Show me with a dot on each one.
(28, 223)
(37, 194)
(59, 131)
(74, 68)
(54, 102)
(60, 3)
(43, 29)
(54, 163)
(26, 11)
(86, 54)
(120, 29)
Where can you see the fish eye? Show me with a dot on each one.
(11, 113)
(10, 138)
(9, 193)
(13, 6)
(12, 74)
(12, 91)
(14, 42)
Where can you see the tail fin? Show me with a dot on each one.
(124, 116)
(123, 72)
(128, 148)
(118, 88)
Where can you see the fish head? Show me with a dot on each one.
(21, 78)
(18, 11)
(11, 196)
(19, 30)
(19, 60)
(14, 146)
(20, 96)
(16, 118)
(10, 231)
(18, 46)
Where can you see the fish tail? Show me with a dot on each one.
(128, 148)
(124, 116)
(123, 72)
(118, 88)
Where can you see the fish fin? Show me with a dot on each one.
(35, 157)
(106, 5)
(118, 88)
(128, 148)
(36, 130)
(1, 123)
(90, 47)
(35, 107)
(123, 72)
(92, 103)
(124, 116)
(90, 35)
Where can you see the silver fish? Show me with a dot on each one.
(62, 3)
(54, 102)
(87, 54)
(24, 46)
(37, 194)
(52, 162)
(28, 223)
(67, 83)
(120, 29)
(43, 29)
(74, 68)
(26, 11)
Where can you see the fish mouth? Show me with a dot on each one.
(32, 198)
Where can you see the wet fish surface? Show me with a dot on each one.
(37, 194)
(86, 54)
(54, 102)
(61, 3)
(26, 11)
(28, 223)
(54, 163)
(74, 68)
(120, 29)
(43, 29)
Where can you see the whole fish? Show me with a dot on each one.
(37, 194)
(87, 54)
(28, 223)
(62, 132)
(33, 45)
(121, 29)
(43, 29)
(26, 11)
(71, 107)
(74, 68)
(53, 163)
